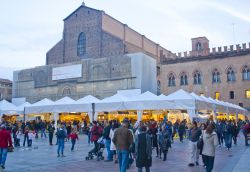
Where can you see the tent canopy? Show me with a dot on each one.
(8, 108)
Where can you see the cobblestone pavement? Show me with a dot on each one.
(42, 157)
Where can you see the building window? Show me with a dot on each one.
(197, 78)
(184, 79)
(230, 75)
(217, 95)
(81, 45)
(241, 104)
(231, 94)
(66, 92)
(171, 80)
(158, 87)
(247, 94)
(198, 46)
(216, 76)
(246, 73)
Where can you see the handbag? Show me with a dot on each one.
(200, 143)
(10, 149)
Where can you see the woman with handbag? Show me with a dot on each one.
(210, 142)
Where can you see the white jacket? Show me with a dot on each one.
(210, 142)
(111, 136)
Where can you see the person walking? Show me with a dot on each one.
(164, 142)
(26, 136)
(61, 135)
(246, 132)
(51, 130)
(194, 135)
(219, 131)
(123, 139)
(112, 145)
(182, 130)
(5, 142)
(106, 133)
(227, 133)
(235, 132)
(143, 150)
(73, 136)
(210, 141)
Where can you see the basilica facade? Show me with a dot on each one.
(99, 55)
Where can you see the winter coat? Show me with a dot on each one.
(143, 150)
(210, 142)
(123, 138)
(5, 139)
(111, 136)
(95, 133)
(164, 140)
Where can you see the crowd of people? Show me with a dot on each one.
(126, 142)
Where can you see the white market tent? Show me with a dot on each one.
(149, 101)
(22, 106)
(42, 106)
(8, 108)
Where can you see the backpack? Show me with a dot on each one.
(61, 134)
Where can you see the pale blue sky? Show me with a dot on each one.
(29, 28)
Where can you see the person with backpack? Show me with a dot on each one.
(143, 150)
(61, 135)
(164, 142)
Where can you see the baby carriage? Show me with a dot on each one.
(97, 150)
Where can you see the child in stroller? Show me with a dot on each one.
(97, 150)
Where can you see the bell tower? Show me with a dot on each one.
(200, 46)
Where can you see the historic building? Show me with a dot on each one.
(5, 89)
(222, 73)
(97, 55)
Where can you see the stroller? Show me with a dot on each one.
(97, 150)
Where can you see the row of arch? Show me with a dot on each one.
(216, 76)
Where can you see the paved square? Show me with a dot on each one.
(42, 157)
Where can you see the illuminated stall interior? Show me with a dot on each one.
(148, 115)
(10, 118)
(70, 117)
(43, 116)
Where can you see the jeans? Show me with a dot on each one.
(43, 132)
(228, 140)
(123, 159)
(29, 143)
(194, 152)
(146, 168)
(220, 138)
(245, 135)
(50, 138)
(60, 147)
(3, 155)
(73, 141)
(26, 137)
(209, 162)
(107, 145)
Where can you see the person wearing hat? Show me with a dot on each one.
(123, 139)
(5, 142)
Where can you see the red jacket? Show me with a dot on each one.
(5, 139)
(73, 136)
(95, 133)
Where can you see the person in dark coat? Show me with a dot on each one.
(164, 142)
(227, 133)
(143, 150)
(181, 130)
